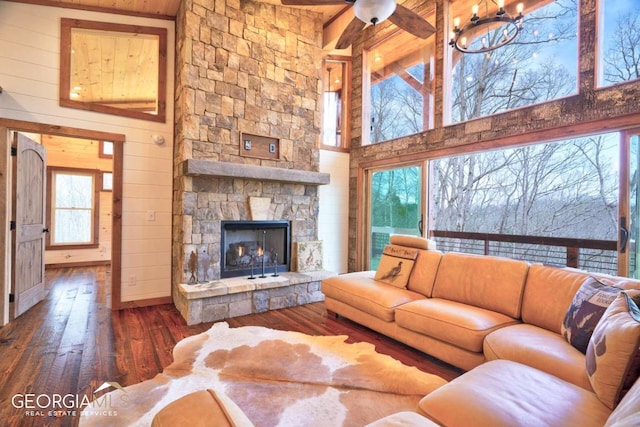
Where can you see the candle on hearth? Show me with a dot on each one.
(264, 242)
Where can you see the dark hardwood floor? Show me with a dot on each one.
(71, 343)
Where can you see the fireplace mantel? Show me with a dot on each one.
(198, 167)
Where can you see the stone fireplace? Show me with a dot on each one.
(244, 67)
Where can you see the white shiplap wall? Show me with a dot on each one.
(29, 73)
(333, 218)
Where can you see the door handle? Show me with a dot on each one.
(421, 225)
(624, 234)
(45, 230)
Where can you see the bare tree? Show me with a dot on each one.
(396, 109)
(622, 58)
(566, 188)
(513, 75)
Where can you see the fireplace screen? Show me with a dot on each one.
(254, 247)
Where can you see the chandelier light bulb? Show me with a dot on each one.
(374, 11)
(456, 22)
(520, 8)
(501, 4)
(474, 9)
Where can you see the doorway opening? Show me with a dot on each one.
(83, 204)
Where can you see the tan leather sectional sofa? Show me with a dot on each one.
(499, 319)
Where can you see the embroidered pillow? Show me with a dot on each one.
(613, 354)
(395, 265)
(586, 309)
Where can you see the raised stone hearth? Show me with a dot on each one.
(239, 296)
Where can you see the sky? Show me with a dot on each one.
(610, 12)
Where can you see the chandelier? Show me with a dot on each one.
(462, 37)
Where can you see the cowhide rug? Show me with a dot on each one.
(277, 378)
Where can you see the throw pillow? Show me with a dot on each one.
(586, 309)
(613, 355)
(395, 265)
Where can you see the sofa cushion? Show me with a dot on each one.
(395, 265)
(492, 283)
(504, 393)
(540, 349)
(586, 309)
(613, 354)
(202, 408)
(424, 272)
(361, 291)
(462, 325)
(627, 413)
(538, 307)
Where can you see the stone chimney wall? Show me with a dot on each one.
(243, 66)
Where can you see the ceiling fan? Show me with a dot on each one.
(373, 12)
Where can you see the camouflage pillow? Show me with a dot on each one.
(613, 354)
(396, 265)
(586, 309)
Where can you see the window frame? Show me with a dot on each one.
(95, 218)
(65, 99)
(369, 55)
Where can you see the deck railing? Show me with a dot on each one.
(591, 255)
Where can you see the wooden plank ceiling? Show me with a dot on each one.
(166, 9)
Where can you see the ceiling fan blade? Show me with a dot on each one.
(313, 2)
(350, 33)
(411, 22)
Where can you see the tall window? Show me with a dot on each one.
(565, 189)
(539, 65)
(619, 23)
(73, 205)
(395, 207)
(400, 87)
(335, 117)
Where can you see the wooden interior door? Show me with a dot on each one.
(29, 171)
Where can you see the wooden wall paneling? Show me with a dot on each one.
(29, 77)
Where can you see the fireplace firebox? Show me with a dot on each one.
(254, 248)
